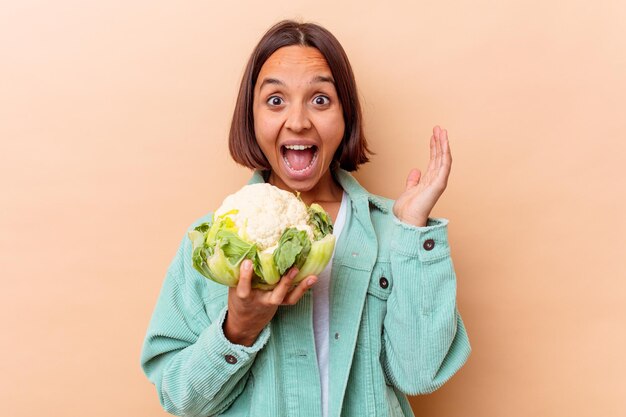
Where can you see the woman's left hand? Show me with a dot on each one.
(422, 191)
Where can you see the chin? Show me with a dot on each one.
(301, 185)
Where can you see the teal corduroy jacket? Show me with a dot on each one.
(394, 328)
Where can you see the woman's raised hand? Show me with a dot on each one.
(422, 191)
(250, 309)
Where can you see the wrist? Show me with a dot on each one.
(417, 223)
(414, 221)
(419, 220)
(237, 334)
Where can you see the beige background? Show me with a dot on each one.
(113, 124)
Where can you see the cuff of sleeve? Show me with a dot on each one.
(218, 359)
(428, 243)
(223, 345)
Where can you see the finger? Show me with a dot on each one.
(278, 294)
(297, 293)
(433, 156)
(445, 149)
(244, 286)
(433, 150)
(413, 178)
(438, 141)
(446, 163)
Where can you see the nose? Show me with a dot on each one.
(298, 118)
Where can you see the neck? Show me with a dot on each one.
(326, 189)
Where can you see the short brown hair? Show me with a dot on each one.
(244, 149)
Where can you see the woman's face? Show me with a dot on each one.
(298, 119)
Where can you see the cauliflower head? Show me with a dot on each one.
(271, 227)
(262, 212)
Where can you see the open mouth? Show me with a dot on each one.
(299, 158)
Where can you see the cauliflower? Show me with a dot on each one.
(271, 227)
(263, 212)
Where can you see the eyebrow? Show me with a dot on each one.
(270, 81)
(323, 79)
(317, 79)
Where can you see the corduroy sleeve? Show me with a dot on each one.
(424, 339)
(196, 370)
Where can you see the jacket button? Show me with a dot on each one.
(230, 359)
(429, 244)
(384, 283)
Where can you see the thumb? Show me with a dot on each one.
(244, 286)
(413, 179)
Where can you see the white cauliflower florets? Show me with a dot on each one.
(264, 212)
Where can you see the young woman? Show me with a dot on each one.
(379, 323)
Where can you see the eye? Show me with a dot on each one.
(274, 101)
(321, 100)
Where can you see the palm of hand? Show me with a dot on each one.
(422, 191)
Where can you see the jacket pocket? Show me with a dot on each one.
(381, 281)
(378, 290)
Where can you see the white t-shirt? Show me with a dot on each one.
(321, 318)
